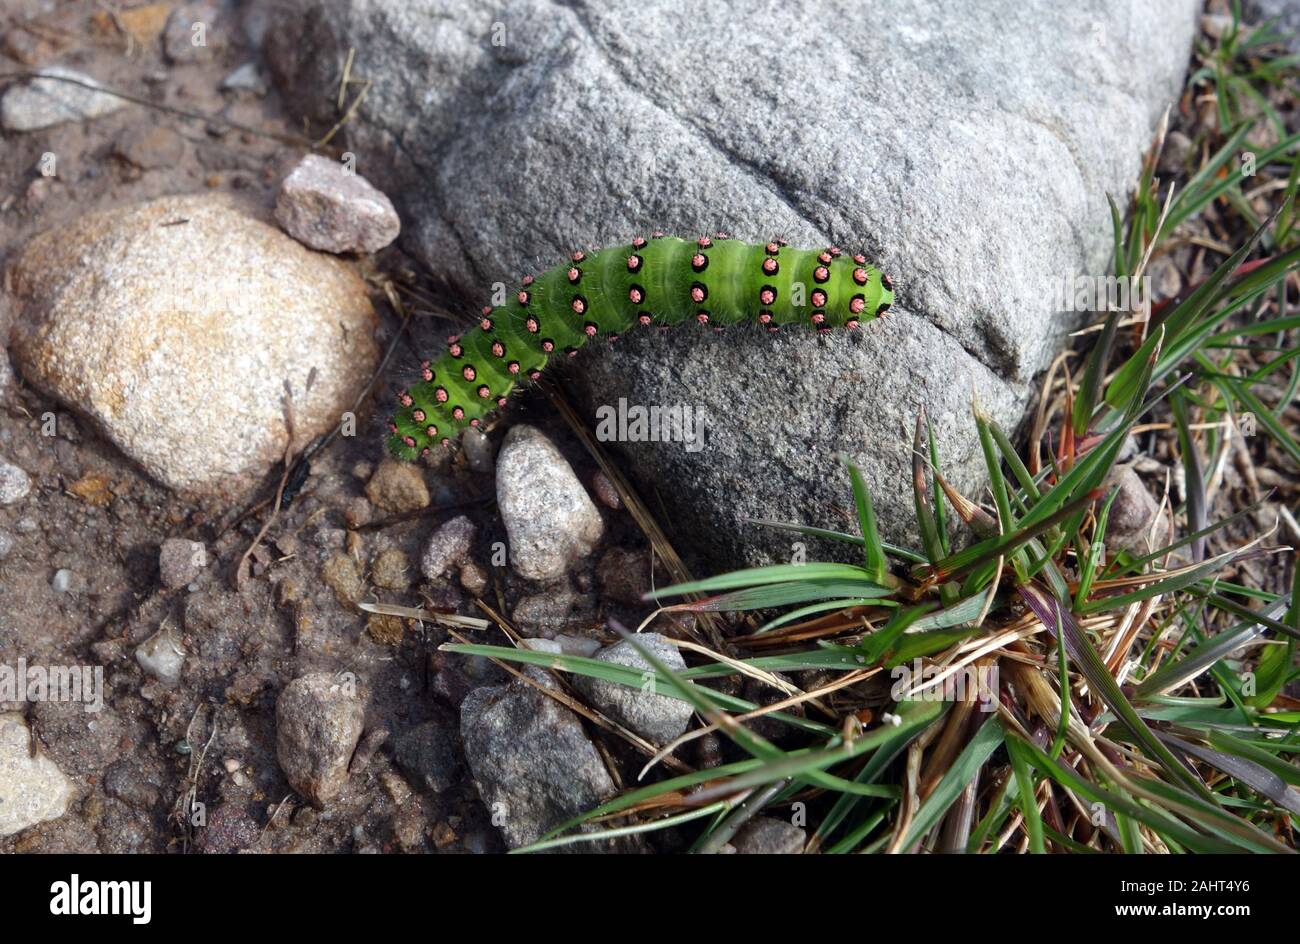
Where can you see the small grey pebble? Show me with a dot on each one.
(245, 78)
(478, 450)
(605, 491)
(766, 835)
(325, 206)
(472, 577)
(66, 581)
(180, 561)
(162, 656)
(448, 546)
(331, 537)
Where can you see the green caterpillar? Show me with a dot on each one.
(662, 280)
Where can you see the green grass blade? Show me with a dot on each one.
(925, 519)
(781, 594)
(1259, 778)
(873, 552)
(1206, 655)
(1126, 383)
(1058, 619)
(759, 576)
(1025, 797)
(1119, 802)
(963, 770)
(1178, 581)
(623, 675)
(894, 550)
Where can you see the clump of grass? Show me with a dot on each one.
(1115, 702)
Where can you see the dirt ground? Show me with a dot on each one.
(155, 751)
(81, 584)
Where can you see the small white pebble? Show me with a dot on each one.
(231, 764)
(15, 484)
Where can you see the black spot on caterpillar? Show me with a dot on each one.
(662, 280)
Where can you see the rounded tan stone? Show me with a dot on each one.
(175, 325)
(32, 788)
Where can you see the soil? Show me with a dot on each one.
(157, 753)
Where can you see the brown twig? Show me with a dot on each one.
(279, 491)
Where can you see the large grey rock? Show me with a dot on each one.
(32, 788)
(429, 755)
(534, 765)
(175, 326)
(974, 171)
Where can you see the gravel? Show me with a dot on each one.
(656, 717)
(180, 561)
(326, 206)
(448, 546)
(46, 102)
(551, 521)
(318, 721)
(32, 788)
